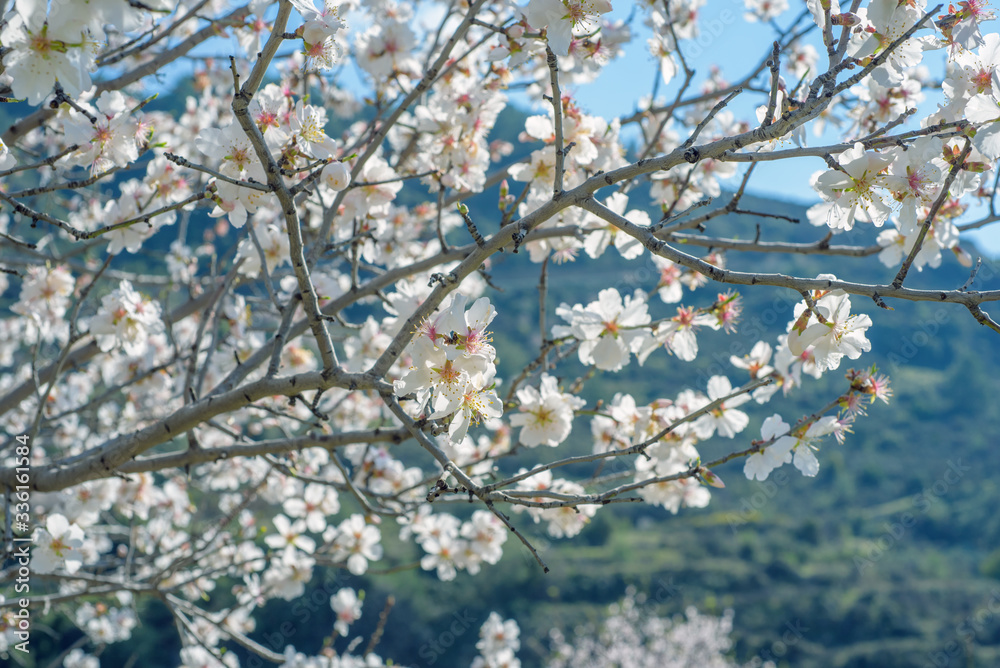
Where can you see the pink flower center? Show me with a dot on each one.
(982, 80)
(684, 317)
(40, 43)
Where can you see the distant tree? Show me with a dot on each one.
(633, 634)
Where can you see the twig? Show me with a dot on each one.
(557, 119)
(471, 225)
(692, 155)
(983, 318)
(380, 628)
(184, 162)
(929, 220)
(775, 64)
(667, 220)
(972, 275)
(543, 284)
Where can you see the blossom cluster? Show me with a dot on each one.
(451, 545)
(125, 319)
(452, 366)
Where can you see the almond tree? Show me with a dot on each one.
(206, 415)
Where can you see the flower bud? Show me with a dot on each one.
(336, 175)
(962, 255)
(710, 478)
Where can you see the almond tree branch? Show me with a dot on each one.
(929, 220)
(775, 64)
(779, 280)
(557, 120)
(821, 247)
(105, 459)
